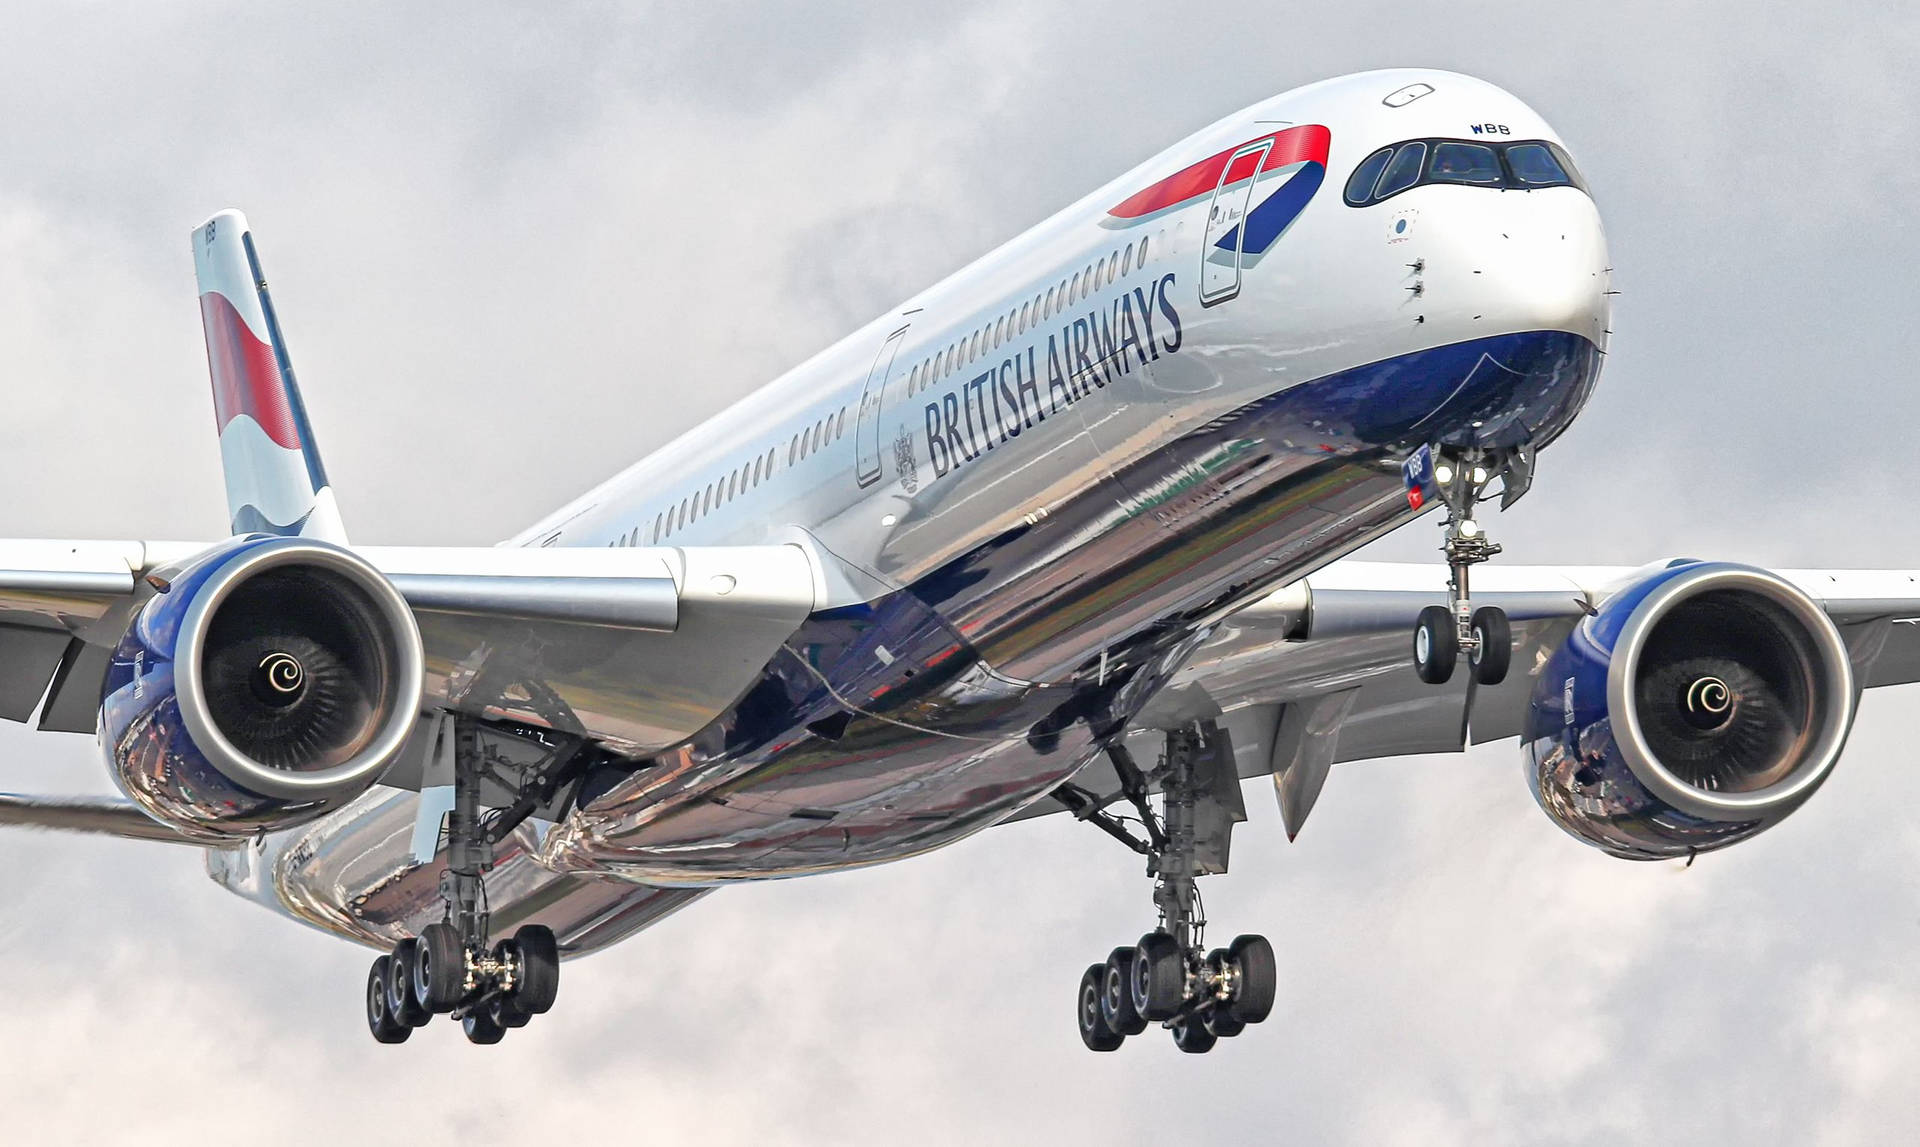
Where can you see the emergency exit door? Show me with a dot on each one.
(1226, 215)
(866, 433)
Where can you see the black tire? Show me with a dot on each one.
(539, 956)
(1191, 1036)
(1259, 975)
(1495, 654)
(1116, 994)
(440, 969)
(400, 998)
(1159, 977)
(1094, 1031)
(507, 1015)
(1222, 1024)
(1436, 647)
(380, 1021)
(481, 1027)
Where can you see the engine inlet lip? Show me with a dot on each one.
(1834, 666)
(410, 671)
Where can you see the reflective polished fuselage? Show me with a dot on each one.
(1040, 482)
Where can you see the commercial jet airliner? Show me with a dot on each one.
(1061, 533)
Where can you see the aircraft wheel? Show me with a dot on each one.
(1159, 977)
(1253, 998)
(1222, 1024)
(1191, 1036)
(508, 1015)
(1094, 1031)
(1436, 647)
(1495, 652)
(381, 1021)
(1116, 994)
(539, 969)
(439, 968)
(400, 998)
(481, 1027)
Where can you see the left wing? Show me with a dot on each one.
(1320, 672)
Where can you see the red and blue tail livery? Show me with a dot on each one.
(275, 481)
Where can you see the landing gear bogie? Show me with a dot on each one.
(1168, 977)
(449, 969)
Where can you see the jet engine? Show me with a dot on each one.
(271, 681)
(1694, 709)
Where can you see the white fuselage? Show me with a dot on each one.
(1042, 477)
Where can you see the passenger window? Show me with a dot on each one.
(1403, 172)
(1360, 183)
(1473, 163)
(1142, 260)
(1534, 166)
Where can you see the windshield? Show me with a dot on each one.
(1527, 165)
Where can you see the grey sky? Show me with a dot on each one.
(515, 249)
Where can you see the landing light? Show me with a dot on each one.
(1443, 474)
(1480, 475)
(1469, 528)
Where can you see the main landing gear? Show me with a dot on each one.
(450, 969)
(1443, 632)
(1170, 977)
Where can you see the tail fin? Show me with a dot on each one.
(275, 482)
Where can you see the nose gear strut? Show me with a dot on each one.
(1169, 977)
(1442, 633)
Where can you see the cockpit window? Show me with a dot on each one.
(1535, 166)
(1525, 165)
(1465, 163)
(1404, 171)
(1360, 184)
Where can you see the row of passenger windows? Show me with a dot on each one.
(746, 476)
(1524, 166)
(1016, 322)
(832, 428)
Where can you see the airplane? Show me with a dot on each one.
(1067, 532)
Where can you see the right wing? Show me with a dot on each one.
(645, 646)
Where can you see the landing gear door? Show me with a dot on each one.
(866, 437)
(1220, 250)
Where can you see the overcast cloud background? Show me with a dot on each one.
(516, 249)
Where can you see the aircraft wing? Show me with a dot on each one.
(644, 645)
(1320, 672)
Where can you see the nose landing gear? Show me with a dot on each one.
(1169, 977)
(1443, 632)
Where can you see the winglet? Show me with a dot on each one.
(275, 482)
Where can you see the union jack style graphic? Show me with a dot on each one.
(1287, 166)
(275, 481)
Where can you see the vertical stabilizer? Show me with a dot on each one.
(275, 482)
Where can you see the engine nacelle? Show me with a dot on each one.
(274, 680)
(1694, 709)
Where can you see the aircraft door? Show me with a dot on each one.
(1220, 264)
(866, 436)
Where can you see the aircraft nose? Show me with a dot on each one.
(1525, 260)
